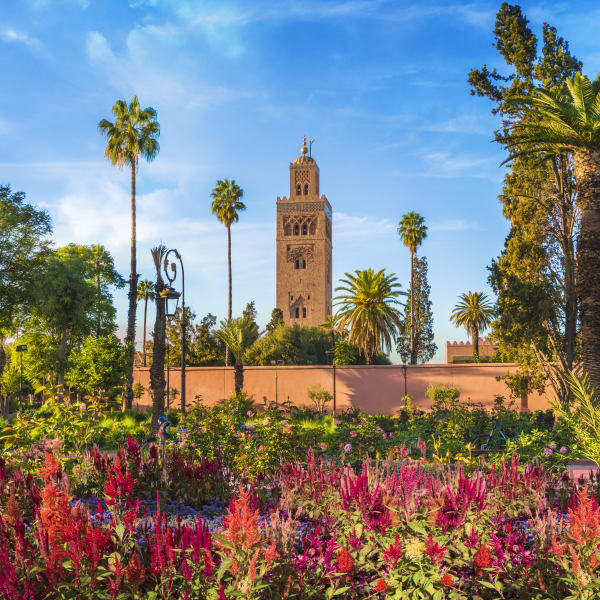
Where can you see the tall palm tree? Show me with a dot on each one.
(412, 231)
(238, 335)
(367, 308)
(133, 134)
(569, 121)
(145, 292)
(474, 311)
(226, 206)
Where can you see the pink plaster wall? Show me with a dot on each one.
(373, 389)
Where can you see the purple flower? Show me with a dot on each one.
(348, 448)
(249, 425)
(548, 451)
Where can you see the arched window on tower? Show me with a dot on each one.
(304, 229)
(298, 189)
(296, 229)
(304, 263)
(304, 312)
(306, 189)
(297, 312)
(297, 264)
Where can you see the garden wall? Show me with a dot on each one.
(373, 389)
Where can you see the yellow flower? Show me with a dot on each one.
(414, 549)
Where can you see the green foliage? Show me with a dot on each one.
(98, 368)
(424, 344)
(293, 345)
(238, 335)
(474, 312)
(367, 308)
(227, 203)
(276, 320)
(442, 393)
(583, 417)
(24, 232)
(534, 277)
(320, 397)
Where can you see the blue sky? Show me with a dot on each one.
(381, 86)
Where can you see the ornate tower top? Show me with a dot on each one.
(304, 149)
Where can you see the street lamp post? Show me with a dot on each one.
(405, 387)
(170, 270)
(276, 363)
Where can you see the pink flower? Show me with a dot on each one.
(353, 434)
(261, 448)
(548, 451)
(348, 448)
(323, 446)
(250, 413)
(391, 434)
(287, 429)
(337, 422)
(384, 435)
(563, 450)
(284, 423)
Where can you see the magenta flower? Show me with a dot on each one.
(353, 434)
(348, 448)
(548, 451)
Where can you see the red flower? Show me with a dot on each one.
(434, 550)
(134, 572)
(447, 580)
(381, 585)
(394, 553)
(483, 557)
(344, 561)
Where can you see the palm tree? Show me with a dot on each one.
(367, 309)
(145, 292)
(474, 311)
(569, 121)
(412, 231)
(226, 206)
(238, 335)
(133, 134)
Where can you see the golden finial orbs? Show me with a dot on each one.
(304, 149)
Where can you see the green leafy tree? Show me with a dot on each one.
(226, 206)
(133, 135)
(24, 244)
(238, 335)
(367, 308)
(412, 231)
(474, 312)
(293, 345)
(98, 368)
(571, 122)
(64, 303)
(276, 320)
(145, 292)
(535, 276)
(424, 343)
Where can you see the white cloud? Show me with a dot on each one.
(14, 36)
(447, 165)
(460, 124)
(452, 225)
(97, 47)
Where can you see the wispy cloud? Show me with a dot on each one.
(14, 36)
(462, 124)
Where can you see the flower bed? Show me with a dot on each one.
(398, 528)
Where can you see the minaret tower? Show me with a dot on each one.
(304, 246)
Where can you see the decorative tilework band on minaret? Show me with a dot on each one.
(304, 228)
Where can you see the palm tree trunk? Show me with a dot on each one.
(127, 401)
(145, 314)
(413, 350)
(98, 293)
(157, 370)
(3, 403)
(238, 377)
(476, 343)
(586, 164)
(229, 303)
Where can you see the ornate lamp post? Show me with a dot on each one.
(169, 293)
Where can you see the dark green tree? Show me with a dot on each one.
(535, 276)
(98, 368)
(63, 305)
(238, 335)
(24, 244)
(424, 344)
(276, 320)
